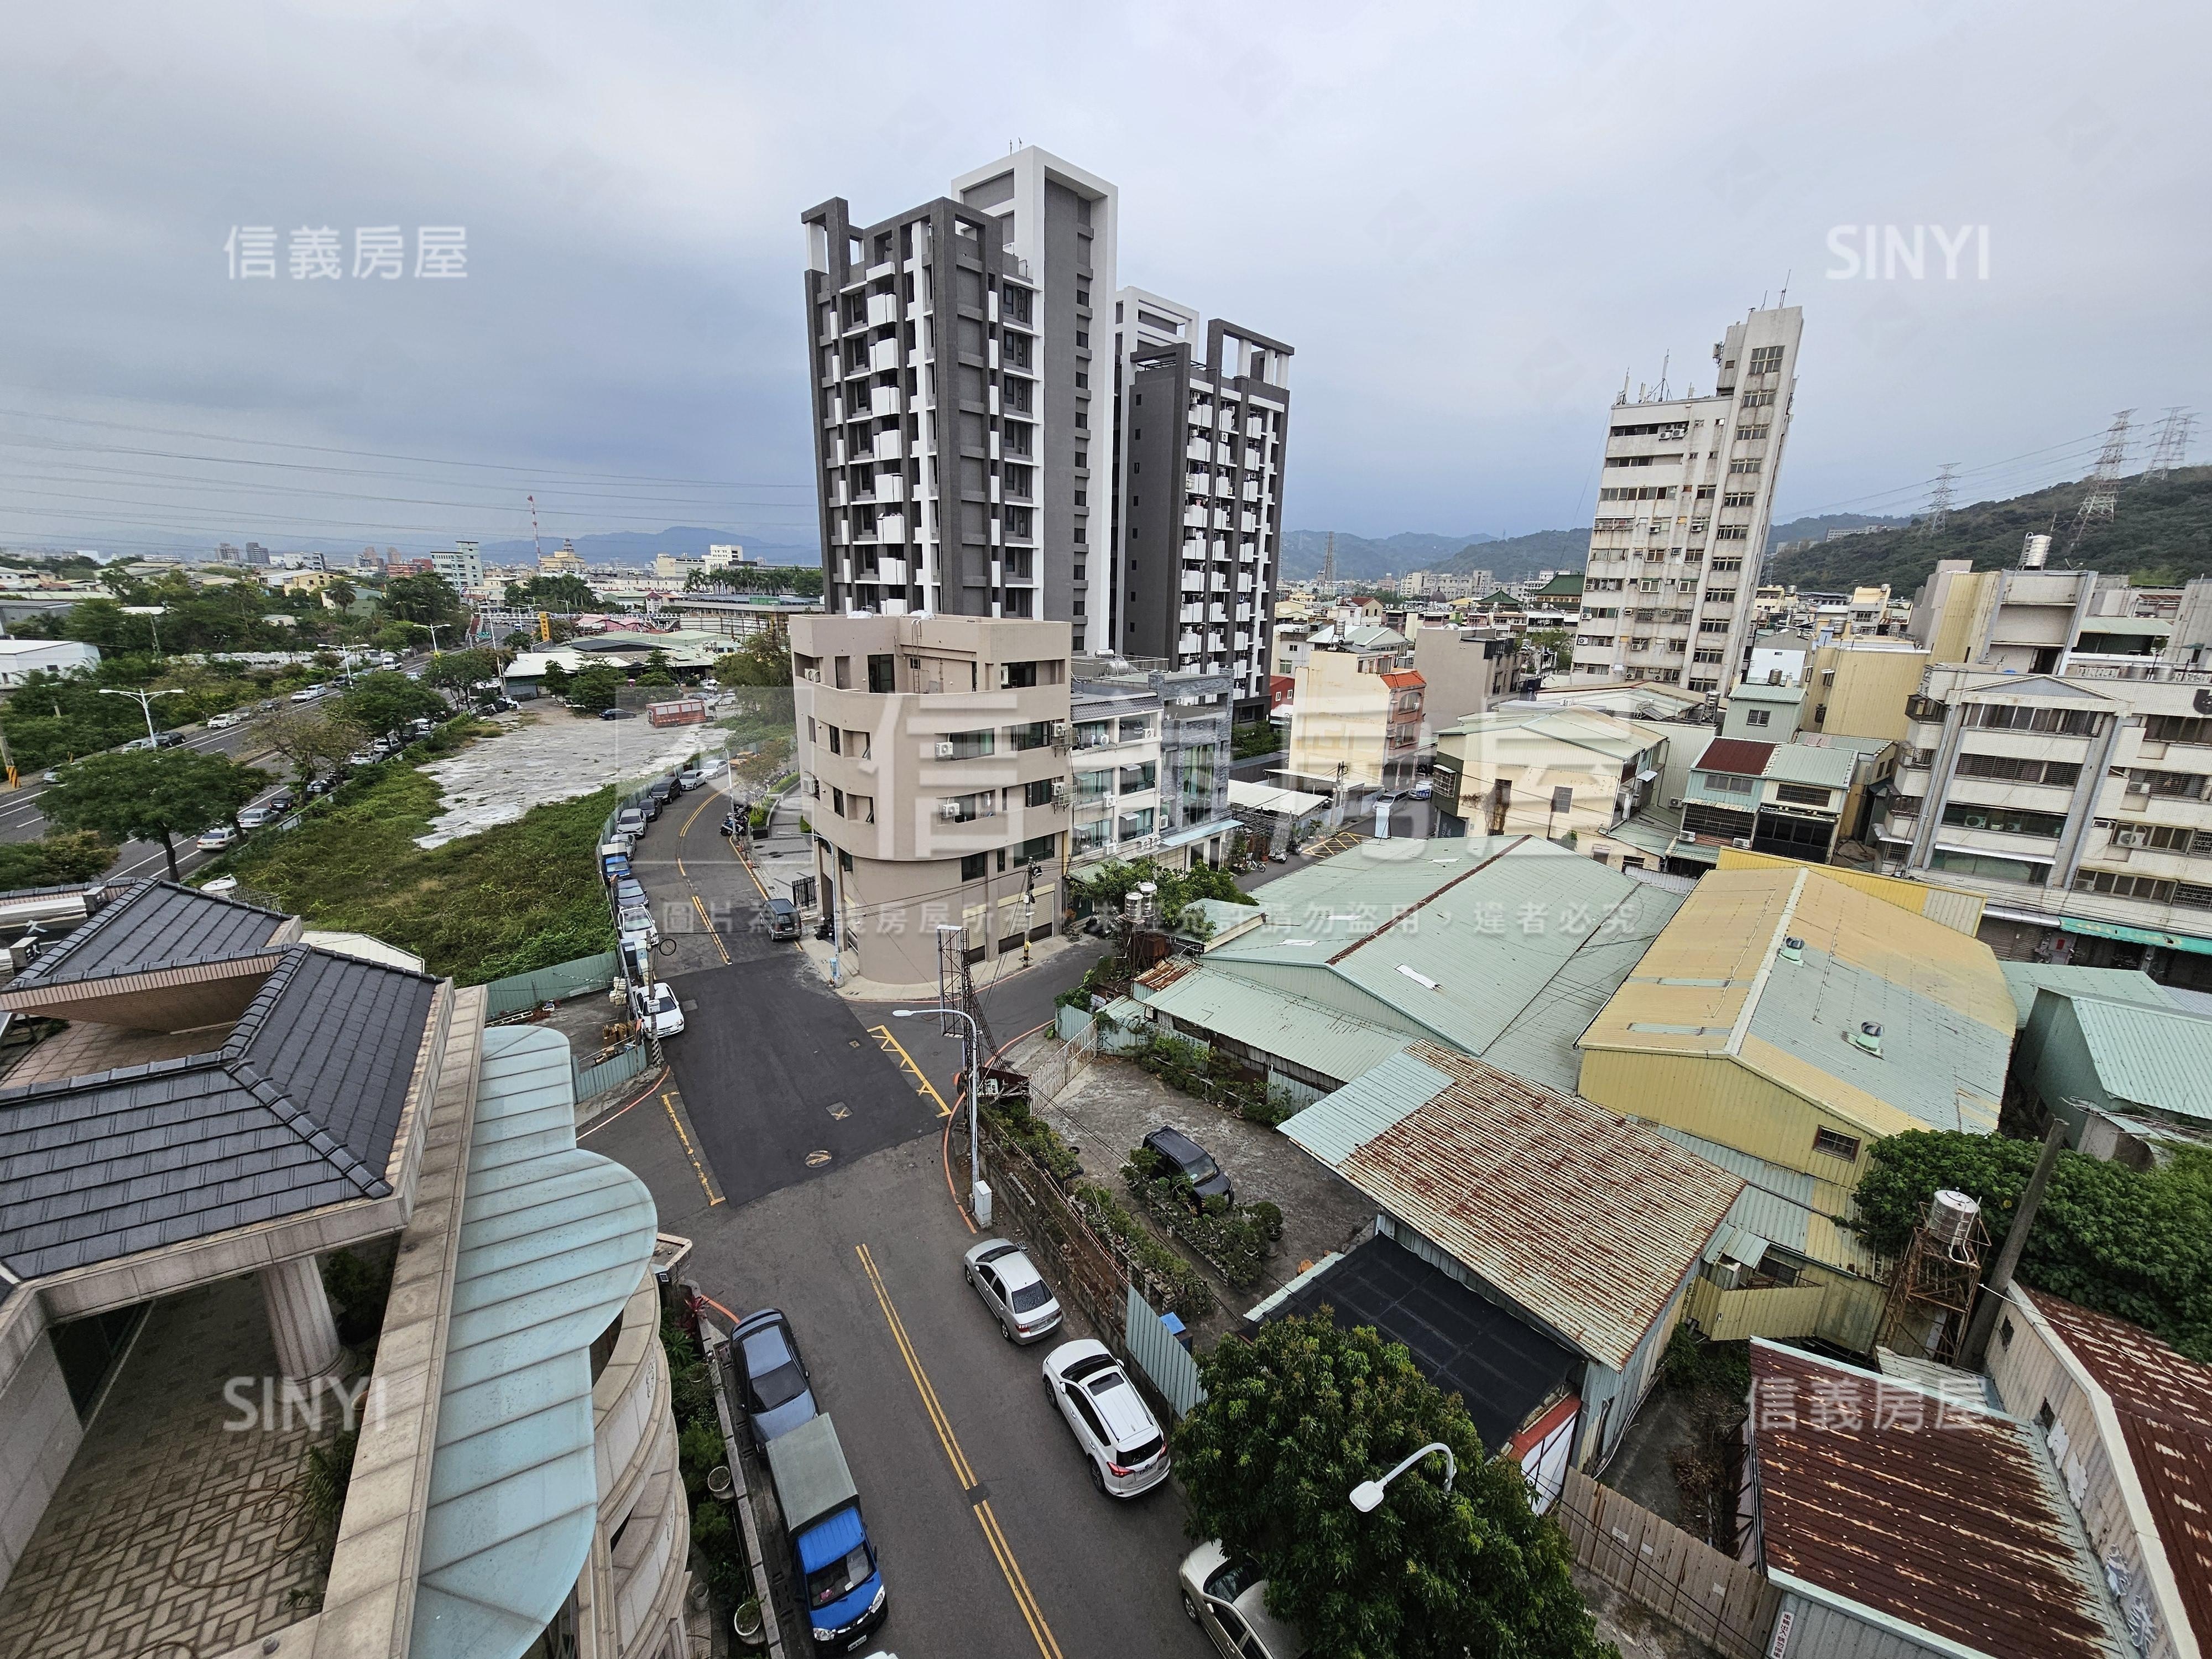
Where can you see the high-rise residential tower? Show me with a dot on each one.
(1684, 500)
(963, 447)
(1202, 414)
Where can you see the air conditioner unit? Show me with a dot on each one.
(1675, 802)
(813, 674)
(1005, 676)
(2130, 838)
(944, 750)
(949, 810)
(1742, 842)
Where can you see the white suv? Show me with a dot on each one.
(1112, 1426)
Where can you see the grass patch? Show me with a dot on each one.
(507, 899)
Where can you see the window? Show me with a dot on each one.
(1720, 596)
(2170, 786)
(1135, 728)
(2019, 769)
(1018, 674)
(2004, 820)
(1732, 533)
(1700, 819)
(1759, 717)
(836, 741)
(2020, 717)
(1037, 792)
(1990, 867)
(1730, 783)
(1803, 794)
(1134, 779)
(1830, 1143)
(1765, 359)
(973, 867)
(1751, 432)
(844, 861)
(1752, 464)
(1713, 627)
(2161, 837)
(2177, 728)
(2115, 885)
(837, 802)
(966, 809)
(1038, 849)
(969, 745)
(1034, 735)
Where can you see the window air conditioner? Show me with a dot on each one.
(1005, 676)
(944, 749)
(949, 810)
(2130, 838)
(1742, 841)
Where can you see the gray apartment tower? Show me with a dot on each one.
(961, 440)
(992, 441)
(1202, 412)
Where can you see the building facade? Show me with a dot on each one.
(1684, 503)
(461, 566)
(1202, 420)
(960, 440)
(1356, 717)
(932, 760)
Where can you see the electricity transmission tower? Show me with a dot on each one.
(1940, 498)
(2171, 447)
(1328, 562)
(2100, 490)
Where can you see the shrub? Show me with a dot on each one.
(1012, 1119)
(1181, 1286)
(361, 1289)
(1235, 1238)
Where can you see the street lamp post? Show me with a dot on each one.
(973, 1043)
(1367, 1496)
(145, 701)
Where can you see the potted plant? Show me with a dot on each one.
(746, 1621)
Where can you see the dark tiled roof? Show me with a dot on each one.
(154, 924)
(1734, 755)
(1502, 1369)
(298, 1109)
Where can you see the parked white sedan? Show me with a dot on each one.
(1014, 1289)
(1115, 1429)
(659, 1012)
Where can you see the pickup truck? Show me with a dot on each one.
(836, 1560)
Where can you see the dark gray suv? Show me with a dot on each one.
(1193, 1162)
(782, 918)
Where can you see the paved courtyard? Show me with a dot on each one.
(547, 753)
(172, 1536)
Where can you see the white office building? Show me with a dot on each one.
(1684, 500)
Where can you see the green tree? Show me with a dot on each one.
(657, 670)
(307, 738)
(151, 795)
(457, 671)
(378, 703)
(763, 660)
(556, 680)
(1113, 882)
(426, 599)
(596, 689)
(55, 860)
(1296, 1414)
(567, 592)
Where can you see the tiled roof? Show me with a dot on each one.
(154, 924)
(298, 1108)
(1734, 755)
(2164, 1403)
(1935, 1512)
(1587, 1219)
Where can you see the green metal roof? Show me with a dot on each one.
(1799, 763)
(553, 1241)
(2025, 979)
(1756, 692)
(1507, 942)
(1311, 1034)
(2153, 1057)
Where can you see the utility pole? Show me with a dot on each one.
(1993, 1287)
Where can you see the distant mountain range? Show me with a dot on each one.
(1508, 558)
(631, 547)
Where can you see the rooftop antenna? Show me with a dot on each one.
(2100, 490)
(1784, 301)
(1664, 363)
(1623, 398)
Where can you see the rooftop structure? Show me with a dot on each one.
(1501, 946)
(1888, 1513)
(1587, 1224)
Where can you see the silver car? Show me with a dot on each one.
(1228, 1600)
(1014, 1289)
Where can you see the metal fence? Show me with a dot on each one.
(1682, 1579)
(618, 1068)
(1162, 1358)
(563, 979)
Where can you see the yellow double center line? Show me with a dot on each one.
(1024, 1599)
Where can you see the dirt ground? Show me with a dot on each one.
(1637, 1633)
(548, 753)
(1113, 1105)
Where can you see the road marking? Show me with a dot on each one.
(748, 863)
(1001, 1552)
(708, 923)
(699, 1169)
(815, 1160)
(708, 801)
(891, 1045)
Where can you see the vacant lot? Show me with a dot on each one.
(521, 895)
(547, 755)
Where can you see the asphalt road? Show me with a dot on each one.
(804, 1159)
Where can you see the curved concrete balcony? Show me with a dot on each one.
(630, 1405)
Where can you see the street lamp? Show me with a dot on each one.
(974, 1045)
(145, 701)
(1367, 1496)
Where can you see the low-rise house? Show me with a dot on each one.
(1528, 768)
(1793, 799)
(1356, 717)
(1903, 1520)
(1584, 1224)
(2127, 1072)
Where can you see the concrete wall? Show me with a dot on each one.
(39, 1428)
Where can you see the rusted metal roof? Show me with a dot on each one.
(1928, 1510)
(1167, 973)
(1588, 1220)
(1405, 677)
(1734, 755)
(2164, 1403)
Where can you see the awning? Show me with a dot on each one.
(1646, 775)
(2137, 935)
(1200, 832)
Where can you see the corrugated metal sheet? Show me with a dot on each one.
(1734, 755)
(2158, 1058)
(1799, 762)
(1320, 1039)
(2164, 1403)
(1587, 1219)
(1786, 1206)
(1936, 1513)
(2025, 979)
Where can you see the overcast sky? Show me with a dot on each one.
(1471, 221)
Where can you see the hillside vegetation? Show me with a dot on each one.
(2161, 534)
